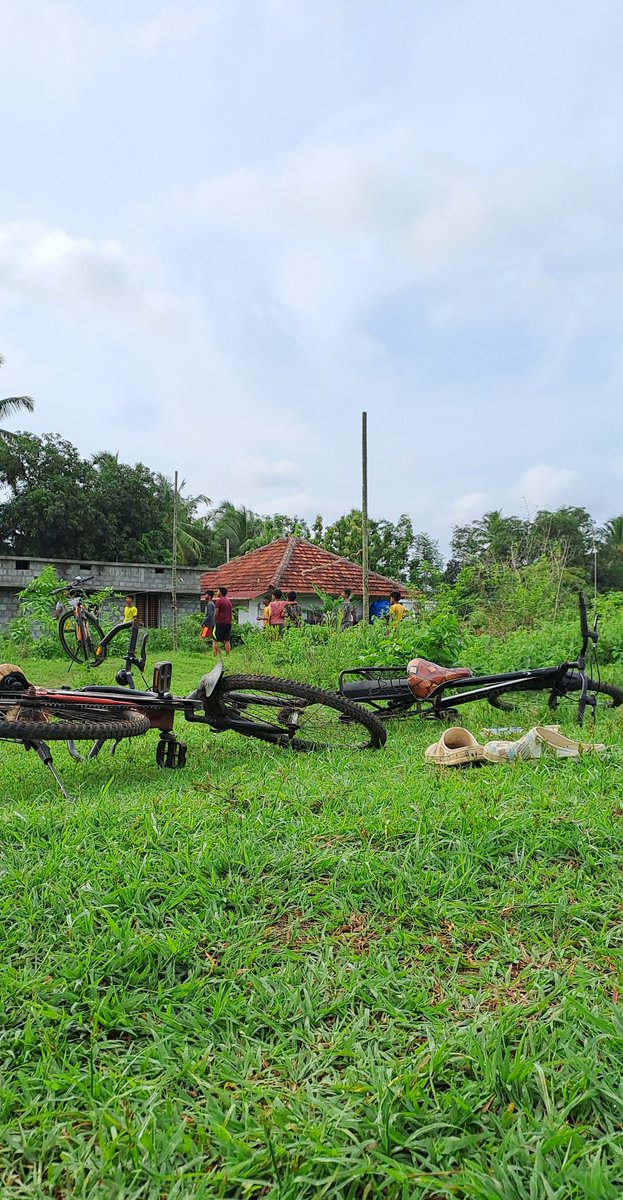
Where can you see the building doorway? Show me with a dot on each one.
(148, 609)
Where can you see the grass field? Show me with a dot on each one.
(310, 976)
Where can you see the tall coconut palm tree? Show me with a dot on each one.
(240, 526)
(614, 535)
(13, 404)
(190, 547)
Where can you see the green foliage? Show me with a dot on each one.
(34, 630)
(62, 506)
(394, 549)
(435, 636)
(497, 598)
(332, 608)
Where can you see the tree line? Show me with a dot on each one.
(60, 505)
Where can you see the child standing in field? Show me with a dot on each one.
(130, 612)
(223, 613)
(277, 609)
(396, 610)
(207, 625)
(294, 612)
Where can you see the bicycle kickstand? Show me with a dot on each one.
(45, 754)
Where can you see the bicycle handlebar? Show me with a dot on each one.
(76, 584)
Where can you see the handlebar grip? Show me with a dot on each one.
(584, 630)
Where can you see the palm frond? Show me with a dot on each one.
(13, 404)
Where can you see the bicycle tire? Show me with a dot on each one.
(513, 700)
(252, 697)
(41, 719)
(75, 647)
(596, 687)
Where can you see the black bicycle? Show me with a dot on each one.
(281, 712)
(84, 640)
(437, 692)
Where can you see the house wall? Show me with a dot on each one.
(145, 578)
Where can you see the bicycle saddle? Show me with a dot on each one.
(425, 676)
(12, 678)
(208, 684)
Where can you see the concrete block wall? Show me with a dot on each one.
(146, 578)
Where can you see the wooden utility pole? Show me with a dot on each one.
(174, 565)
(364, 514)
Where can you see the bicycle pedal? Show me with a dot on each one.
(162, 678)
(171, 753)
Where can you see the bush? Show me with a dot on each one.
(436, 636)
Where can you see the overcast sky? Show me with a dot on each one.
(228, 226)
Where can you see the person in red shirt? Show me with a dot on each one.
(277, 611)
(222, 622)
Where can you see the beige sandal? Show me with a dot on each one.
(565, 747)
(456, 747)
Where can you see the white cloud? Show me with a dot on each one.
(468, 507)
(351, 220)
(51, 266)
(545, 486)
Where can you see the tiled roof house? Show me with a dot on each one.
(292, 564)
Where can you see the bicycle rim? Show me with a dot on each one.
(525, 708)
(295, 715)
(78, 647)
(41, 719)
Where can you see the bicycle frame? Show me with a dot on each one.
(77, 607)
(160, 707)
(386, 689)
(124, 676)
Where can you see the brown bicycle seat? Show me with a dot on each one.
(425, 676)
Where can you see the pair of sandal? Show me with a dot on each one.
(458, 747)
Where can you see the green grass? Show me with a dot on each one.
(271, 975)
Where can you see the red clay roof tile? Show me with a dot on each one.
(292, 564)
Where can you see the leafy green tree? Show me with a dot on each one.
(609, 553)
(51, 509)
(393, 547)
(426, 564)
(63, 506)
(278, 526)
(570, 529)
(492, 538)
(564, 536)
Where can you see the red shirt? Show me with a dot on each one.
(224, 611)
(277, 612)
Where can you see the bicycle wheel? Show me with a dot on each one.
(531, 706)
(78, 648)
(45, 719)
(295, 715)
(609, 695)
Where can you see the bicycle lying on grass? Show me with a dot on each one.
(84, 640)
(437, 692)
(277, 711)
